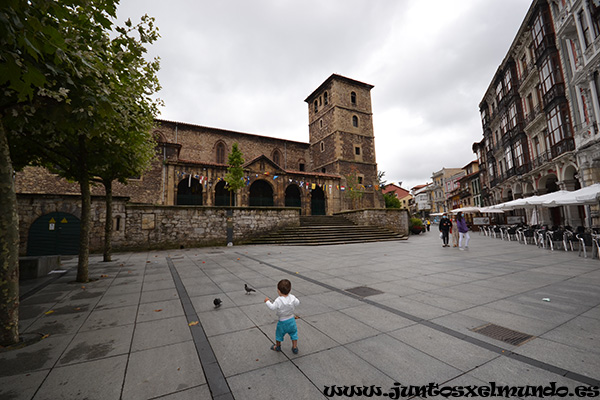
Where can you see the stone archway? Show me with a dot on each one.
(223, 197)
(261, 194)
(317, 201)
(293, 196)
(189, 192)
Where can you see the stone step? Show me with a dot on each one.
(338, 232)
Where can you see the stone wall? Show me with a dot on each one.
(142, 226)
(393, 219)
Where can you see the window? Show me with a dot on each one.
(220, 153)
(325, 100)
(509, 159)
(357, 150)
(512, 116)
(586, 116)
(360, 180)
(316, 106)
(507, 81)
(322, 146)
(499, 92)
(277, 157)
(323, 170)
(546, 75)
(504, 124)
(538, 30)
(536, 146)
(355, 121)
(353, 98)
(557, 127)
(320, 123)
(585, 28)
(301, 166)
(519, 156)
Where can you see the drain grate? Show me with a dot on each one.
(364, 291)
(504, 334)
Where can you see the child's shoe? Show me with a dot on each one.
(276, 348)
(295, 350)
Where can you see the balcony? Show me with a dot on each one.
(529, 118)
(542, 159)
(556, 92)
(548, 45)
(523, 169)
(567, 144)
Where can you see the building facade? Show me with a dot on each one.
(537, 124)
(317, 176)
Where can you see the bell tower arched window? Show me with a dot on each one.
(220, 153)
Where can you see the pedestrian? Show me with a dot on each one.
(463, 231)
(428, 224)
(454, 232)
(285, 305)
(445, 226)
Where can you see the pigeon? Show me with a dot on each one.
(248, 289)
(217, 302)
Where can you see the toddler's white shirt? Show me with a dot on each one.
(285, 306)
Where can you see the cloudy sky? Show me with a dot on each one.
(248, 65)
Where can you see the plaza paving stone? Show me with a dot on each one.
(135, 333)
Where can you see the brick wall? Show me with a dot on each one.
(393, 219)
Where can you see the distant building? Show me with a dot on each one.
(401, 194)
(444, 181)
(421, 200)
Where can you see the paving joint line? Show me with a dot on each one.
(215, 379)
(440, 328)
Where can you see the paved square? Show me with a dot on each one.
(138, 334)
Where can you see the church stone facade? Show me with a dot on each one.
(192, 161)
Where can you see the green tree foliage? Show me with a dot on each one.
(235, 172)
(69, 81)
(391, 201)
(354, 189)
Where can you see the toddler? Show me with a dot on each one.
(285, 305)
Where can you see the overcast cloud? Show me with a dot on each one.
(248, 65)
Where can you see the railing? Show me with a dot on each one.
(548, 43)
(542, 159)
(556, 92)
(529, 118)
(567, 144)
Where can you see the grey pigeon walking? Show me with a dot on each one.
(217, 302)
(248, 289)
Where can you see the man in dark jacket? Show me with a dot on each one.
(445, 225)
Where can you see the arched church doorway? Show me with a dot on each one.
(317, 201)
(292, 196)
(189, 192)
(261, 194)
(223, 197)
(56, 233)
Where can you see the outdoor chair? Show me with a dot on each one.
(497, 232)
(596, 245)
(568, 239)
(584, 240)
(511, 233)
(540, 238)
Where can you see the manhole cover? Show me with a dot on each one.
(364, 291)
(504, 334)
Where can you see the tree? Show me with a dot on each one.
(380, 181)
(354, 188)
(235, 172)
(66, 88)
(391, 201)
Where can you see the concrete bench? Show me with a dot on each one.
(32, 267)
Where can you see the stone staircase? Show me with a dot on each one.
(323, 230)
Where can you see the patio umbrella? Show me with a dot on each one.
(588, 194)
(465, 210)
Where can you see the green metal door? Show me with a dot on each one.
(54, 233)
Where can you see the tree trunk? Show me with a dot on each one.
(9, 249)
(86, 200)
(108, 223)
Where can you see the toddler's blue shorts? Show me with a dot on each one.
(288, 326)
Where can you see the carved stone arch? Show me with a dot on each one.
(160, 137)
(517, 189)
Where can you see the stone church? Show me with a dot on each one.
(317, 176)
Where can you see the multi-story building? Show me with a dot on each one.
(528, 144)
(421, 201)
(444, 181)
